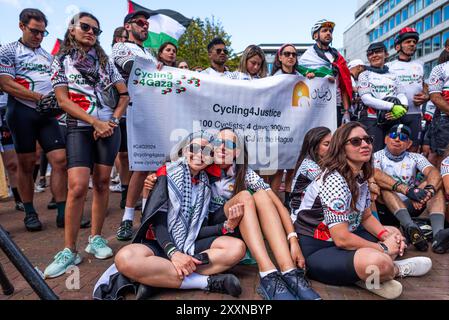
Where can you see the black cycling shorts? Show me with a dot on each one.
(5, 133)
(329, 264)
(413, 121)
(439, 134)
(124, 141)
(27, 126)
(84, 151)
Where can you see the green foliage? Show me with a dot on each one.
(193, 44)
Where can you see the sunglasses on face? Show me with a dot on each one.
(229, 144)
(373, 52)
(402, 136)
(141, 23)
(357, 142)
(289, 54)
(197, 148)
(37, 32)
(87, 27)
(219, 51)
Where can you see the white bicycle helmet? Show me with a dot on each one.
(321, 23)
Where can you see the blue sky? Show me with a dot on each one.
(248, 22)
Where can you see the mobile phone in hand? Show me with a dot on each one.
(203, 257)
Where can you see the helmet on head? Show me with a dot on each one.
(406, 33)
(320, 24)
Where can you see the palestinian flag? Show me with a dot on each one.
(165, 25)
(56, 47)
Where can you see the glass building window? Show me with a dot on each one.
(419, 5)
(436, 17)
(446, 13)
(411, 9)
(445, 37)
(428, 2)
(391, 4)
(419, 50)
(419, 26)
(427, 23)
(376, 34)
(398, 18)
(404, 14)
(436, 43)
(391, 23)
(391, 46)
(427, 46)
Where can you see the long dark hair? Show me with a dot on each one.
(311, 144)
(69, 44)
(444, 57)
(336, 160)
(277, 62)
(161, 49)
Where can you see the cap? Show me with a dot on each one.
(132, 15)
(355, 63)
(376, 46)
(401, 128)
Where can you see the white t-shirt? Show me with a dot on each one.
(411, 79)
(29, 67)
(405, 170)
(213, 72)
(445, 167)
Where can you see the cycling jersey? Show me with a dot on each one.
(404, 170)
(410, 75)
(236, 75)
(80, 92)
(377, 87)
(213, 72)
(327, 203)
(223, 189)
(30, 68)
(308, 171)
(3, 103)
(439, 80)
(126, 52)
(445, 167)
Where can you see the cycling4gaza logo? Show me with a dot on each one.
(166, 81)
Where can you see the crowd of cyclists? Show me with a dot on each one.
(357, 199)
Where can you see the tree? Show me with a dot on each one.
(192, 46)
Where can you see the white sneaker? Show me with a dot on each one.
(91, 184)
(388, 290)
(38, 189)
(117, 188)
(116, 179)
(414, 267)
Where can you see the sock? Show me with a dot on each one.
(144, 203)
(16, 194)
(124, 192)
(29, 208)
(264, 274)
(288, 271)
(36, 172)
(437, 221)
(61, 208)
(404, 217)
(129, 214)
(194, 281)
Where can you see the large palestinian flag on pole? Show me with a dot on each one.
(165, 25)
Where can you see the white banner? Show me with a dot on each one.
(273, 114)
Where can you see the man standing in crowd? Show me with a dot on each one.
(25, 77)
(124, 55)
(322, 60)
(356, 67)
(218, 56)
(410, 75)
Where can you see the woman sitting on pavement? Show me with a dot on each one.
(314, 148)
(337, 251)
(174, 230)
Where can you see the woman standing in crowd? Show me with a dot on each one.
(120, 35)
(377, 85)
(314, 148)
(81, 72)
(174, 230)
(285, 62)
(253, 65)
(337, 251)
(167, 54)
(183, 65)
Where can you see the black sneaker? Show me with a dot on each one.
(52, 205)
(273, 287)
(224, 283)
(32, 223)
(415, 237)
(440, 243)
(298, 284)
(125, 231)
(60, 223)
(146, 292)
(42, 183)
(19, 206)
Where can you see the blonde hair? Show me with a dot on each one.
(250, 52)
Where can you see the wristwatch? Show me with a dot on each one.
(384, 247)
(115, 121)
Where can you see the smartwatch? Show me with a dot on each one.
(115, 121)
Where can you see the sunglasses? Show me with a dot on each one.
(402, 136)
(229, 144)
(141, 23)
(372, 52)
(357, 142)
(289, 54)
(219, 51)
(37, 32)
(197, 148)
(87, 27)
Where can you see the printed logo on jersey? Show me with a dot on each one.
(84, 101)
(338, 206)
(25, 81)
(301, 95)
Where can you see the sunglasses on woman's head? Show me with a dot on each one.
(87, 27)
(229, 144)
(288, 54)
(402, 136)
(204, 150)
(357, 142)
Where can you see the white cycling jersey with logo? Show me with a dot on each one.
(445, 167)
(410, 75)
(30, 68)
(439, 80)
(405, 170)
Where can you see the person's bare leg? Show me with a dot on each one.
(26, 162)
(11, 166)
(57, 160)
(78, 186)
(101, 178)
(135, 188)
(366, 259)
(125, 174)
